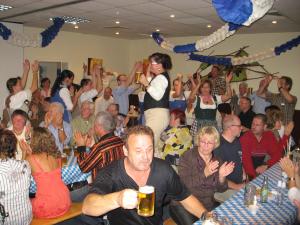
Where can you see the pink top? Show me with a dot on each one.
(52, 198)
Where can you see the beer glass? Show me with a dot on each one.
(64, 159)
(146, 198)
(250, 192)
(137, 76)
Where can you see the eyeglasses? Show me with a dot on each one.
(206, 143)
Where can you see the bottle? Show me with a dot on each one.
(264, 191)
(279, 196)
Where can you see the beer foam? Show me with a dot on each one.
(146, 189)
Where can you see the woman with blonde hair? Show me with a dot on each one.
(44, 159)
(202, 173)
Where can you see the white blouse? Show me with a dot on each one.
(14, 191)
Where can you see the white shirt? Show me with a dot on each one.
(185, 96)
(88, 95)
(64, 93)
(158, 87)
(14, 189)
(208, 106)
(17, 101)
(19, 137)
(101, 104)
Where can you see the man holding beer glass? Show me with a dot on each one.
(138, 181)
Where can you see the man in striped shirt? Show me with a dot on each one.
(108, 149)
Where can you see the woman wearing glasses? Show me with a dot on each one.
(156, 100)
(202, 173)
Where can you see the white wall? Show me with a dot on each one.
(286, 64)
(76, 48)
(11, 58)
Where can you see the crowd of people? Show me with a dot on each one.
(196, 142)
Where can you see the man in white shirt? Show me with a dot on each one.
(20, 98)
(104, 101)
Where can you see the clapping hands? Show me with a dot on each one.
(226, 169)
(211, 168)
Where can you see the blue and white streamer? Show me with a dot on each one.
(233, 61)
(40, 40)
(236, 13)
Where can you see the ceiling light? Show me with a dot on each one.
(172, 15)
(157, 30)
(5, 7)
(74, 20)
(117, 33)
(117, 22)
(208, 26)
(150, 35)
(274, 21)
(76, 26)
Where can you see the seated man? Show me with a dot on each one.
(20, 128)
(230, 150)
(85, 121)
(61, 130)
(114, 191)
(256, 145)
(120, 120)
(105, 151)
(246, 114)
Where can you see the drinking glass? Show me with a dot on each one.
(250, 192)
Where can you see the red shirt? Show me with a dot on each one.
(268, 145)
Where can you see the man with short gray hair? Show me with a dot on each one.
(108, 149)
(60, 129)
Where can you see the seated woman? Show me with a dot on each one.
(274, 123)
(176, 138)
(202, 173)
(14, 183)
(52, 198)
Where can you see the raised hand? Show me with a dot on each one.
(35, 66)
(138, 66)
(228, 77)
(128, 199)
(26, 65)
(287, 166)
(289, 128)
(143, 80)
(26, 149)
(226, 169)
(80, 139)
(211, 168)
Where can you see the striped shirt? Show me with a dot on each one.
(14, 191)
(108, 149)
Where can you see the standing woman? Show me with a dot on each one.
(156, 101)
(60, 93)
(205, 104)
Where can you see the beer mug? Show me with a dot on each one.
(137, 77)
(146, 198)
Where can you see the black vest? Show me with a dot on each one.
(150, 102)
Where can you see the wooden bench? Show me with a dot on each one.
(75, 210)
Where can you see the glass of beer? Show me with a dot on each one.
(137, 76)
(146, 198)
(67, 150)
(64, 159)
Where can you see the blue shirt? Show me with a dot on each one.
(259, 103)
(121, 96)
(54, 131)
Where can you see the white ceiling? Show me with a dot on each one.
(139, 18)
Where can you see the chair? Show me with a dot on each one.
(75, 210)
